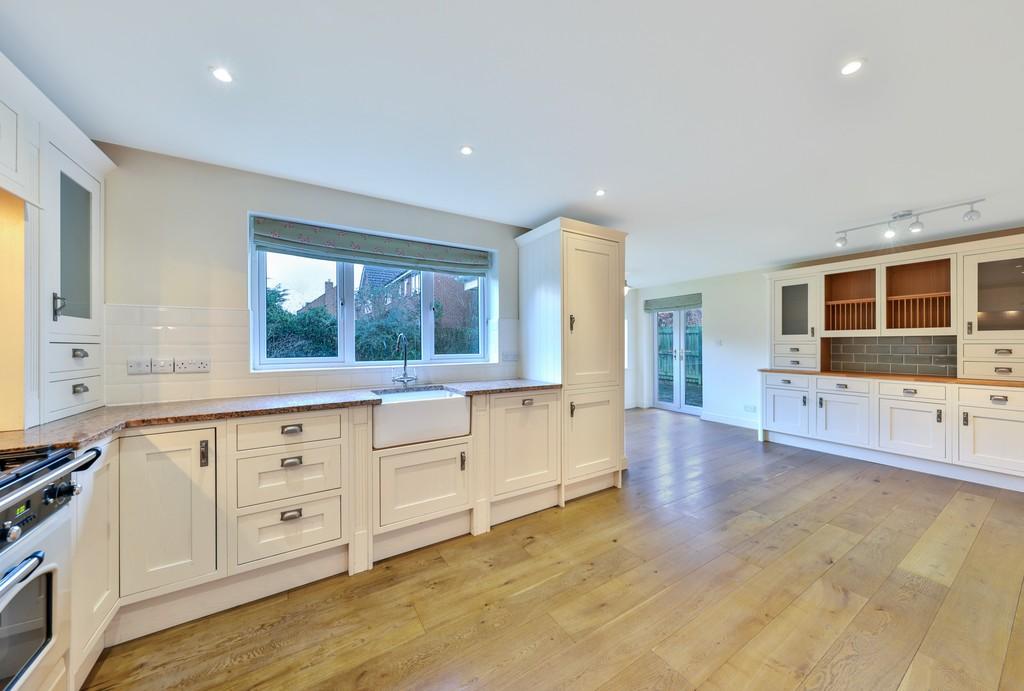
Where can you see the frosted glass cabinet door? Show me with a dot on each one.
(795, 309)
(994, 296)
(71, 246)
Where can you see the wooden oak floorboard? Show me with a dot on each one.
(744, 565)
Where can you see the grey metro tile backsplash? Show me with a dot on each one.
(932, 355)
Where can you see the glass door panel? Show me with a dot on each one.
(994, 295)
(693, 347)
(795, 310)
(667, 363)
(75, 241)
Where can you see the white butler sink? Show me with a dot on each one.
(418, 413)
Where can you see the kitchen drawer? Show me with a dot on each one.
(288, 474)
(790, 381)
(994, 351)
(843, 384)
(279, 432)
(73, 357)
(1009, 398)
(796, 348)
(796, 362)
(73, 392)
(931, 392)
(974, 369)
(269, 533)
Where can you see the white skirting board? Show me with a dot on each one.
(415, 536)
(950, 470)
(149, 616)
(524, 504)
(591, 485)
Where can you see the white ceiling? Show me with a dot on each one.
(722, 130)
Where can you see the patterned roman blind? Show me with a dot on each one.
(319, 242)
(676, 302)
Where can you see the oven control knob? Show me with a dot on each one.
(11, 532)
(50, 494)
(66, 490)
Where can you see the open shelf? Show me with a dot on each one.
(918, 295)
(850, 301)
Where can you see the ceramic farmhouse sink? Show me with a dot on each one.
(418, 413)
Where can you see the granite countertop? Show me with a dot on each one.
(899, 377)
(84, 428)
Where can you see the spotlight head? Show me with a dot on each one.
(971, 215)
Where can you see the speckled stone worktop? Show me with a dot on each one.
(84, 428)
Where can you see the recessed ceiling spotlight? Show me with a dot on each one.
(890, 232)
(916, 226)
(600, 193)
(466, 151)
(971, 215)
(852, 67)
(841, 240)
(221, 74)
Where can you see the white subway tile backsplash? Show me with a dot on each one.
(222, 335)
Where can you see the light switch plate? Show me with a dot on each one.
(163, 366)
(138, 366)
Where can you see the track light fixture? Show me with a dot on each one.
(917, 226)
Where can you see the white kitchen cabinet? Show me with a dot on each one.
(422, 481)
(525, 441)
(593, 328)
(994, 295)
(168, 509)
(94, 564)
(843, 418)
(786, 411)
(992, 439)
(19, 153)
(593, 440)
(795, 302)
(913, 428)
(290, 528)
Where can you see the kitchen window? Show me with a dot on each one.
(324, 297)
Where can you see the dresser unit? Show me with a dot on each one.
(970, 290)
(571, 279)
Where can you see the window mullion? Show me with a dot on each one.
(348, 283)
(427, 315)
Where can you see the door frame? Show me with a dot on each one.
(678, 404)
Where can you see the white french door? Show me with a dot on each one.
(678, 366)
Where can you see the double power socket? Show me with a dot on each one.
(168, 365)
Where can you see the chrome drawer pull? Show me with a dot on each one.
(794, 350)
(1004, 351)
(291, 462)
(527, 402)
(909, 392)
(79, 353)
(291, 514)
(842, 386)
(999, 399)
(787, 381)
(79, 388)
(295, 428)
(794, 362)
(1004, 370)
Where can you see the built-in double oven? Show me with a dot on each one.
(36, 491)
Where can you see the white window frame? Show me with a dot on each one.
(346, 359)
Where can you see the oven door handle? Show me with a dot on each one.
(19, 573)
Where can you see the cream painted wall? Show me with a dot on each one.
(735, 344)
(177, 233)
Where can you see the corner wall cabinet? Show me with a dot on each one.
(571, 278)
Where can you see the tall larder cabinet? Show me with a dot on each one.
(571, 280)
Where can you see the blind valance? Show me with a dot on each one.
(319, 242)
(676, 302)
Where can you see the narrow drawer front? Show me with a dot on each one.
(796, 348)
(973, 369)
(1009, 398)
(796, 362)
(994, 351)
(73, 392)
(73, 357)
(287, 475)
(930, 392)
(791, 381)
(843, 385)
(269, 533)
(256, 435)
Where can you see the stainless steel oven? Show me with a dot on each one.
(35, 555)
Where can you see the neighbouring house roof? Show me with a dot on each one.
(380, 276)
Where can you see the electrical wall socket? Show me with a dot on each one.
(189, 365)
(163, 366)
(750, 408)
(138, 366)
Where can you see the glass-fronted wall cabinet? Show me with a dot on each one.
(71, 238)
(851, 303)
(994, 296)
(919, 297)
(796, 309)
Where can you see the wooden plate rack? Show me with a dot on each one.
(926, 311)
(918, 295)
(850, 315)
